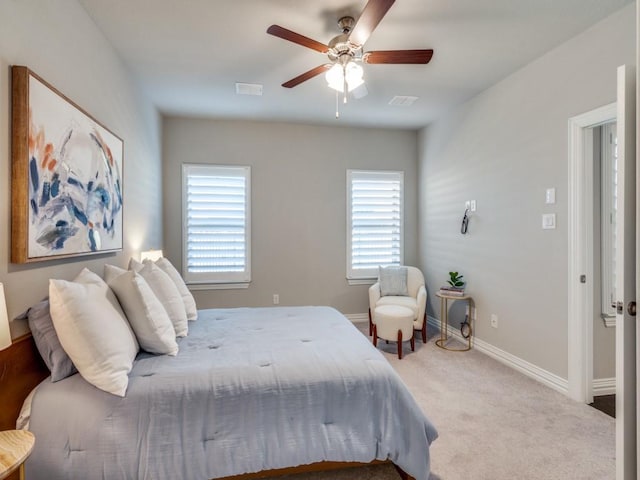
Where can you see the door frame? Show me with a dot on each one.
(580, 295)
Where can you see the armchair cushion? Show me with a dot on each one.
(393, 281)
(402, 301)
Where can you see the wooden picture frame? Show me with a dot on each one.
(67, 169)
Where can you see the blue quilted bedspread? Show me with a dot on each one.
(251, 389)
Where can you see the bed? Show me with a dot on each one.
(252, 391)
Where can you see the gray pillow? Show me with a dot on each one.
(46, 338)
(393, 281)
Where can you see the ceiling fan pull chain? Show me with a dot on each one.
(337, 105)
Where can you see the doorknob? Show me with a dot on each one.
(631, 308)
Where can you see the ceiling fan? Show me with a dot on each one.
(345, 51)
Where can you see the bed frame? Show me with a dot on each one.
(22, 369)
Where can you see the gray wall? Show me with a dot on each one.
(503, 149)
(298, 202)
(59, 42)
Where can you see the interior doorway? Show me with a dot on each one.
(585, 254)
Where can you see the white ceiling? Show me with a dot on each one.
(188, 54)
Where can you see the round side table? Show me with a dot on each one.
(466, 329)
(15, 448)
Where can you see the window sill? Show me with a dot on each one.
(609, 320)
(361, 281)
(217, 286)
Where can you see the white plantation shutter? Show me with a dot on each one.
(375, 236)
(608, 207)
(216, 216)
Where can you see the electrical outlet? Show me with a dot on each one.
(494, 320)
(276, 299)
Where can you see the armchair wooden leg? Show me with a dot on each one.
(400, 344)
(375, 336)
(424, 329)
(413, 343)
(370, 323)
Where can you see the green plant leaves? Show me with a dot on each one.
(455, 279)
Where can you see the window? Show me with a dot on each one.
(216, 245)
(375, 227)
(608, 208)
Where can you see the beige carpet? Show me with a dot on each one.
(494, 423)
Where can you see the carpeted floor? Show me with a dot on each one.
(494, 423)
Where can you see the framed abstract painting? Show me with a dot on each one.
(66, 186)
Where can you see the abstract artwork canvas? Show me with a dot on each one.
(66, 187)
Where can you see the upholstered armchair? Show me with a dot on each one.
(416, 300)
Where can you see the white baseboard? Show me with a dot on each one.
(604, 386)
(529, 369)
(357, 317)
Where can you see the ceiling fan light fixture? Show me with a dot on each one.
(351, 72)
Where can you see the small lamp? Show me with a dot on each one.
(152, 255)
(5, 333)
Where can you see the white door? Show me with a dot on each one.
(626, 420)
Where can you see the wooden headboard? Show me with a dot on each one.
(21, 369)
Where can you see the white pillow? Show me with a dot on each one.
(393, 281)
(148, 318)
(93, 331)
(187, 298)
(135, 265)
(168, 294)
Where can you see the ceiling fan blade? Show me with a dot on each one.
(307, 75)
(369, 20)
(398, 56)
(278, 31)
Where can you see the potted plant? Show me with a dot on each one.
(455, 287)
(455, 280)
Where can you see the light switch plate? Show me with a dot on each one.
(550, 196)
(548, 221)
(473, 205)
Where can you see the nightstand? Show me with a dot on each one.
(465, 329)
(15, 448)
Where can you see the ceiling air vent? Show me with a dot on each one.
(249, 89)
(402, 100)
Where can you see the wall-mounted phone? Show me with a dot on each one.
(465, 222)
